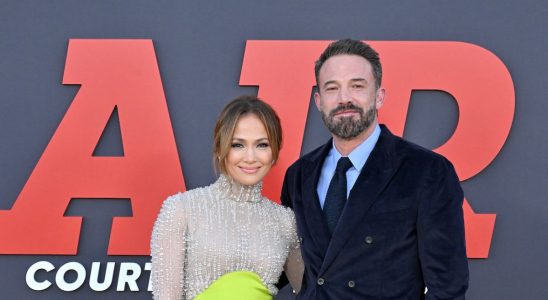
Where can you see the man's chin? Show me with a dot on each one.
(354, 115)
(350, 131)
(342, 120)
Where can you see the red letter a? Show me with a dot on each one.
(121, 73)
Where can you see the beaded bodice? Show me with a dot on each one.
(228, 189)
(207, 232)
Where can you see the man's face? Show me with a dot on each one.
(348, 98)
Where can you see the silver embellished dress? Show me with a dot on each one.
(206, 232)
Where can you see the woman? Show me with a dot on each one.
(225, 240)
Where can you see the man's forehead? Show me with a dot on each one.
(346, 67)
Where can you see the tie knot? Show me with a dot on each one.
(343, 164)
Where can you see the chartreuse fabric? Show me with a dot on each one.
(239, 285)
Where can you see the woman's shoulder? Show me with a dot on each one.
(173, 204)
(182, 200)
(284, 213)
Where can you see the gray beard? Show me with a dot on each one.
(347, 128)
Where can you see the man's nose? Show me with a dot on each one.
(345, 96)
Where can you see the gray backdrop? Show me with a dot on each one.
(199, 47)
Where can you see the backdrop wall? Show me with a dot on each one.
(200, 53)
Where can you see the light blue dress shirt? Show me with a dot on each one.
(358, 157)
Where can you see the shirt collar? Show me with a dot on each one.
(359, 155)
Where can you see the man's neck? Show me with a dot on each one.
(346, 146)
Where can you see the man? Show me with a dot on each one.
(378, 217)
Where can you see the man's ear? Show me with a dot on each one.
(379, 97)
(317, 100)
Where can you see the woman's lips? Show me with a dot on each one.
(249, 170)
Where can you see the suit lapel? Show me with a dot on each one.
(311, 204)
(375, 175)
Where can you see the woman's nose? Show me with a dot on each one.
(249, 155)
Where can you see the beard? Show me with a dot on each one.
(346, 127)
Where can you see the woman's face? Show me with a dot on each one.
(250, 155)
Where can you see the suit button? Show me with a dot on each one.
(320, 281)
(351, 284)
(369, 240)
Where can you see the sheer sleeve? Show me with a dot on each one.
(294, 266)
(167, 248)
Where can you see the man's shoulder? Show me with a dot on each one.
(417, 154)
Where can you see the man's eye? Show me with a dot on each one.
(331, 88)
(237, 145)
(357, 86)
(263, 145)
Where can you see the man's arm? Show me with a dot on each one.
(440, 230)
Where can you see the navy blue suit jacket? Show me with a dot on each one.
(401, 229)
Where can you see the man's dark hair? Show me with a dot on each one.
(351, 47)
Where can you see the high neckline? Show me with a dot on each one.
(234, 191)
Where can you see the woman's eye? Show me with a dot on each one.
(237, 145)
(263, 145)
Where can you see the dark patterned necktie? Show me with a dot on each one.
(336, 194)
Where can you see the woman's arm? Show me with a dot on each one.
(294, 265)
(167, 248)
